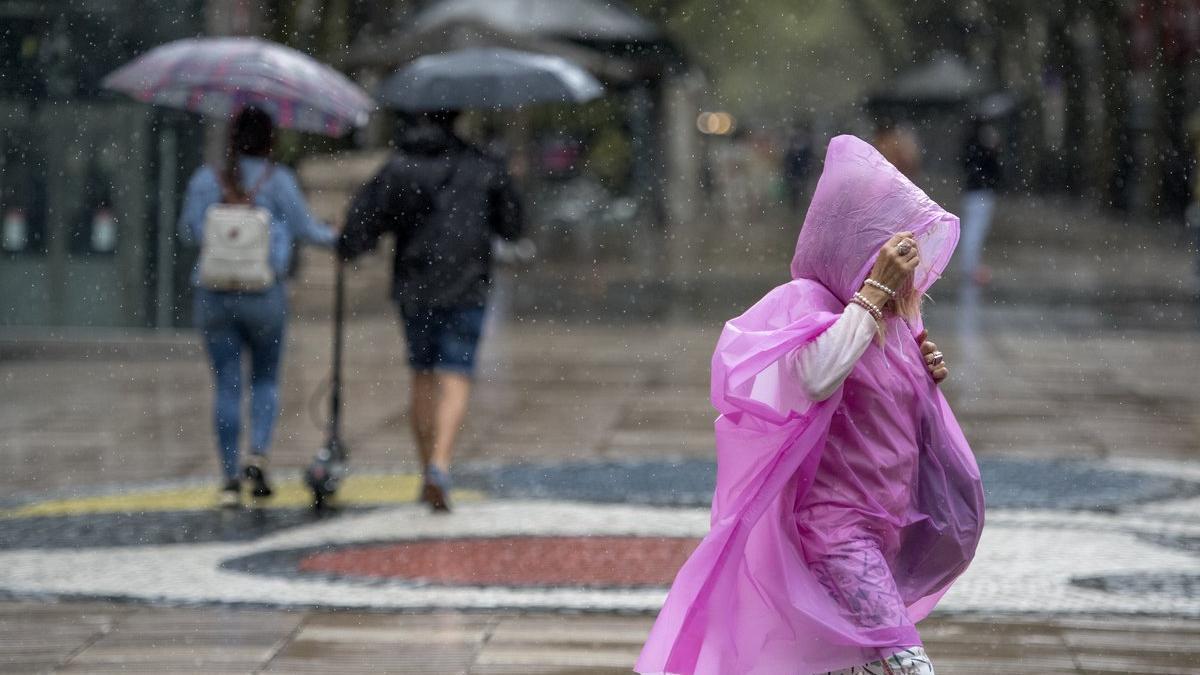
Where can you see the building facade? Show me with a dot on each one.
(89, 180)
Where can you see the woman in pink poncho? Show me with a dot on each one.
(847, 499)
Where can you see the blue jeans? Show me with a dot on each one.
(231, 323)
(977, 209)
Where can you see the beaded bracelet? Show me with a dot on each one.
(862, 301)
(880, 286)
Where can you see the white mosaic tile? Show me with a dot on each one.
(1025, 562)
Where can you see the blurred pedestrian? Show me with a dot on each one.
(1192, 212)
(899, 145)
(847, 499)
(443, 201)
(797, 161)
(245, 217)
(981, 176)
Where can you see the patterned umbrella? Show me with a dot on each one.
(219, 76)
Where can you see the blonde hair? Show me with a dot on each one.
(906, 304)
(908, 301)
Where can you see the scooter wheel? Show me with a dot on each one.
(318, 479)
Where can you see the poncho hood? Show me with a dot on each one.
(862, 200)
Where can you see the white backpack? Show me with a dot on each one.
(235, 254)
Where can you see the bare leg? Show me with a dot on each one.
(454, 392)
(423, 413)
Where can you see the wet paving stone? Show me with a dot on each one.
(317, 656)
(163, 640)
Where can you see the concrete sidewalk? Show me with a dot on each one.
(103, 638)
(1074, 378)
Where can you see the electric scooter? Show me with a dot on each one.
(331, 465)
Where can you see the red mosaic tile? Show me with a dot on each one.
(514, 561)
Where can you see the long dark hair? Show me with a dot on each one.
(251, 133)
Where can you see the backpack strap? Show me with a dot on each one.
(227, 196)
(262, 180)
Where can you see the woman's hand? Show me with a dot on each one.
(897, 261)
(935, 362)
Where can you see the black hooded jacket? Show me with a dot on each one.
(443, 200)
(981, 161)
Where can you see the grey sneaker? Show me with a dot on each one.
(436, 492)
(231, 494)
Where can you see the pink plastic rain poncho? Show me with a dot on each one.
(835, 525)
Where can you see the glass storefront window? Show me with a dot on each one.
(22, 194)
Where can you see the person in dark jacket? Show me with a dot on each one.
(981, 176)
(443, 201)
(797, 160)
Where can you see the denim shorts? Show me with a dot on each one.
(442, 338)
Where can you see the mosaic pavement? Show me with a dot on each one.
(1117, 537)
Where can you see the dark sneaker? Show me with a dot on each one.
(231, 494)
(436, 492)
(256, 473)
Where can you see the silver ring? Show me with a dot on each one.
(903, 248)
(938, 358)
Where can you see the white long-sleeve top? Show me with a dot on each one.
(823, 364)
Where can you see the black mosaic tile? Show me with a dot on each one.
(1008, 483)
(151, 528)
(1167, 584)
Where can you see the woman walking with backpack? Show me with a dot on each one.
(245, 218)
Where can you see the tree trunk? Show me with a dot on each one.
(335, 31)
(889, 30)
(1115, 153)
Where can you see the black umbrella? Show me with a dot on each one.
(487, 78)
(996, 106)
(588, 20)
